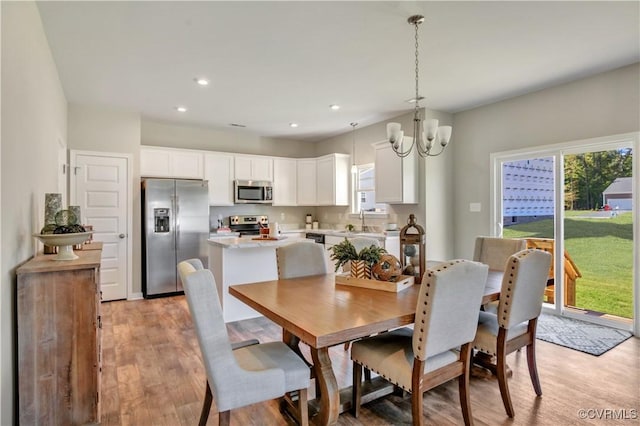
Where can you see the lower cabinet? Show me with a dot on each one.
(58, 328)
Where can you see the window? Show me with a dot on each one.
(364, 191)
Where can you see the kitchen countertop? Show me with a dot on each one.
(249, 242)
(336, 233)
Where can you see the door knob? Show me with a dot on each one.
(121, 236)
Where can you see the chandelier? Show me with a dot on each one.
(424, 133)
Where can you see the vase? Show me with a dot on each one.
(360, 269)
(52, 205)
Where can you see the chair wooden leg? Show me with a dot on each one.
(501, 370)
(533, 369)
(416, 407)
(303, 407)
(206, 406)
(416, 392)
(463, 385)
(356, 392)
(224, 418)
(367, 374)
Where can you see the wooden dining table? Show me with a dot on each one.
(322, 314)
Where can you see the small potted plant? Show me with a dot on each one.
(361, 262)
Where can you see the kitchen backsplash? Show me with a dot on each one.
(294, 217)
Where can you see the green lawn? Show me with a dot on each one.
(602, 249)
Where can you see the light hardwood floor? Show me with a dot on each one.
(152, 375)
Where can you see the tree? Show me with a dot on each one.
(588, 175)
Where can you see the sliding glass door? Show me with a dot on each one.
(598, 232)
(577, 201)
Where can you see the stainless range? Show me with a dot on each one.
(248, 225)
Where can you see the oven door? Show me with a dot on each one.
(252, 192)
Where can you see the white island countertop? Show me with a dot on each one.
(248, 242)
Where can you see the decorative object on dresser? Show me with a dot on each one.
(62, 231)
(412, 249)
(58, 328)
(423, 133)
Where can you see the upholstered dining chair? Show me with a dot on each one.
(438, 348)
(495, 251)
(246, 375)
(301, 260)
(513, 326)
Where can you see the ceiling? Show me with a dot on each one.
(272, 63)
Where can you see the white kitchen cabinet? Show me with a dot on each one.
(306, 182)
(392, 245)
(171, 163)
(284, 182)
(396, 178)
(218, 170)
(250, 167)
(333, 180)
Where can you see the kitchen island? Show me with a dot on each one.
(242, 261)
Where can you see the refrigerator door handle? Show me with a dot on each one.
(176, 209)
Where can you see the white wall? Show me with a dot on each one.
(435, 183)
(605, 104)
(92, 128)
(31, 127)
(157, 133)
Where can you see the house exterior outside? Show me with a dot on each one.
(618, 194)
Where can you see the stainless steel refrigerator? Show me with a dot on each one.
(175, 220)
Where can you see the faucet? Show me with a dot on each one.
(362, 229)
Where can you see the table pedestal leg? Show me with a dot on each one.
(329, 392)
(487, 361)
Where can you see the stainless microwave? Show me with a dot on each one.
(253, 192)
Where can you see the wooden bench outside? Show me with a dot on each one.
(571, 271)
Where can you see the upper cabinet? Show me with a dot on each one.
(218, 170)
(171, 163)
(396, 178)
(332, 184)
(248, 167)
(306, 178)
(284, 182)
(322, 181)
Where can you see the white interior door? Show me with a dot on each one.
(100, 185)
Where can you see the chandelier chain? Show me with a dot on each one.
(417, 68)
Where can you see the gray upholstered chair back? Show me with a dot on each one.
(523, 286)
(448, 307)
(301, 260)
(495, 251)
(227, 379)
(361, 242)
(196, 263)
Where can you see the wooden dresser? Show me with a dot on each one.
(58, 309)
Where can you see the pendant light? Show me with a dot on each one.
(354, 168)
(423, 133)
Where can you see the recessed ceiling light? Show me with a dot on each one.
(201, 81)
(293, 124)
(413, 100)
(181, 108)
(334, 107)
